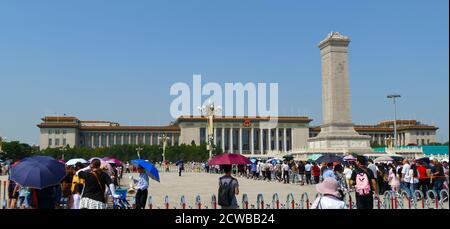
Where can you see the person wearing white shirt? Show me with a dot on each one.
(404, 184)
(141, 185)
(308, 168)
(330, 197)
(285, 169)
(373, 167)
(348, 174)
(413, 179)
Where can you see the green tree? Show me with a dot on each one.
(16, 151)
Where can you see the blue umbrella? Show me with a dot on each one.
(179, 162)
(152, 172)
(253, 160)
(38, 172)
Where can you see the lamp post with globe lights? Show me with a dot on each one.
(209, 111)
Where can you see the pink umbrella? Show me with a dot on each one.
(113, 160)
(106, 167)
(229, 159)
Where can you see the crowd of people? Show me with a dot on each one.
(85, 186)
(362, 177)
(89, 185)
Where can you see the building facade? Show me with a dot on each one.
(245, 135)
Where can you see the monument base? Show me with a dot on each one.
(340, 145)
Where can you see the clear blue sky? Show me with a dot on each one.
(116, 60)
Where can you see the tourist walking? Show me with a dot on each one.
(404, 182)
(394, 180)
(438, 176)
(348, 175)
(330, 197)
(308, 168)
(424, 176)
(365, 184)
(301, 172)
(315, 173)
(414, 179)
(285, 170)
(141, 185)
(228, 189)
(295, 172)
(96, 180)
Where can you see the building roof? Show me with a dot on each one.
(385, 126)
(58, 119)
(399, 122)
(245, 118)
(131, 128)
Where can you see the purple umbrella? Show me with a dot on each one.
(349, 158)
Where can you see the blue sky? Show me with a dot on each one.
(116, 60)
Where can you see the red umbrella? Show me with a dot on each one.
(229, 159)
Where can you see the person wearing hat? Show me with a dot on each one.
(330, 197)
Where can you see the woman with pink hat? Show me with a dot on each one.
(330, 197)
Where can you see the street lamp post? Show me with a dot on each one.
(63, 150)
(394, 97)
(138, 150)
(209, 110)
(163, 139)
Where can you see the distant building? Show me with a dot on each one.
(409, 132)
(232, 134)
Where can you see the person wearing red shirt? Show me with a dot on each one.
(424, 179)
(315, 172)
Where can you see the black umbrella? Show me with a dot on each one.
(179, 162)
(329, 158)
(425, 160)
(288, 157)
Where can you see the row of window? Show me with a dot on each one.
(423, 133)
(57, 131)
(57, 142)
(110, 139)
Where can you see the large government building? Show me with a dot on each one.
(232, 134)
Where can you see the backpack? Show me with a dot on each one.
(226, 193)
(362, 184)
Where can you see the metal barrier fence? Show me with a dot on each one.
(389, 200)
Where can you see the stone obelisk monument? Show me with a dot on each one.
(337, 134)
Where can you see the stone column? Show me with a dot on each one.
(129, 139)
(122, 138)
(151, 138)
(240, 140)
(261, 140)
(231, 140)
(277, 139)
(270, 139)
(223, 139)
(284, 140)
(172, 140)
(215, 136)
(252, 141)
(107, 140)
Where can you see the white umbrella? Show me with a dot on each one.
(383, 159)
(75, 161)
